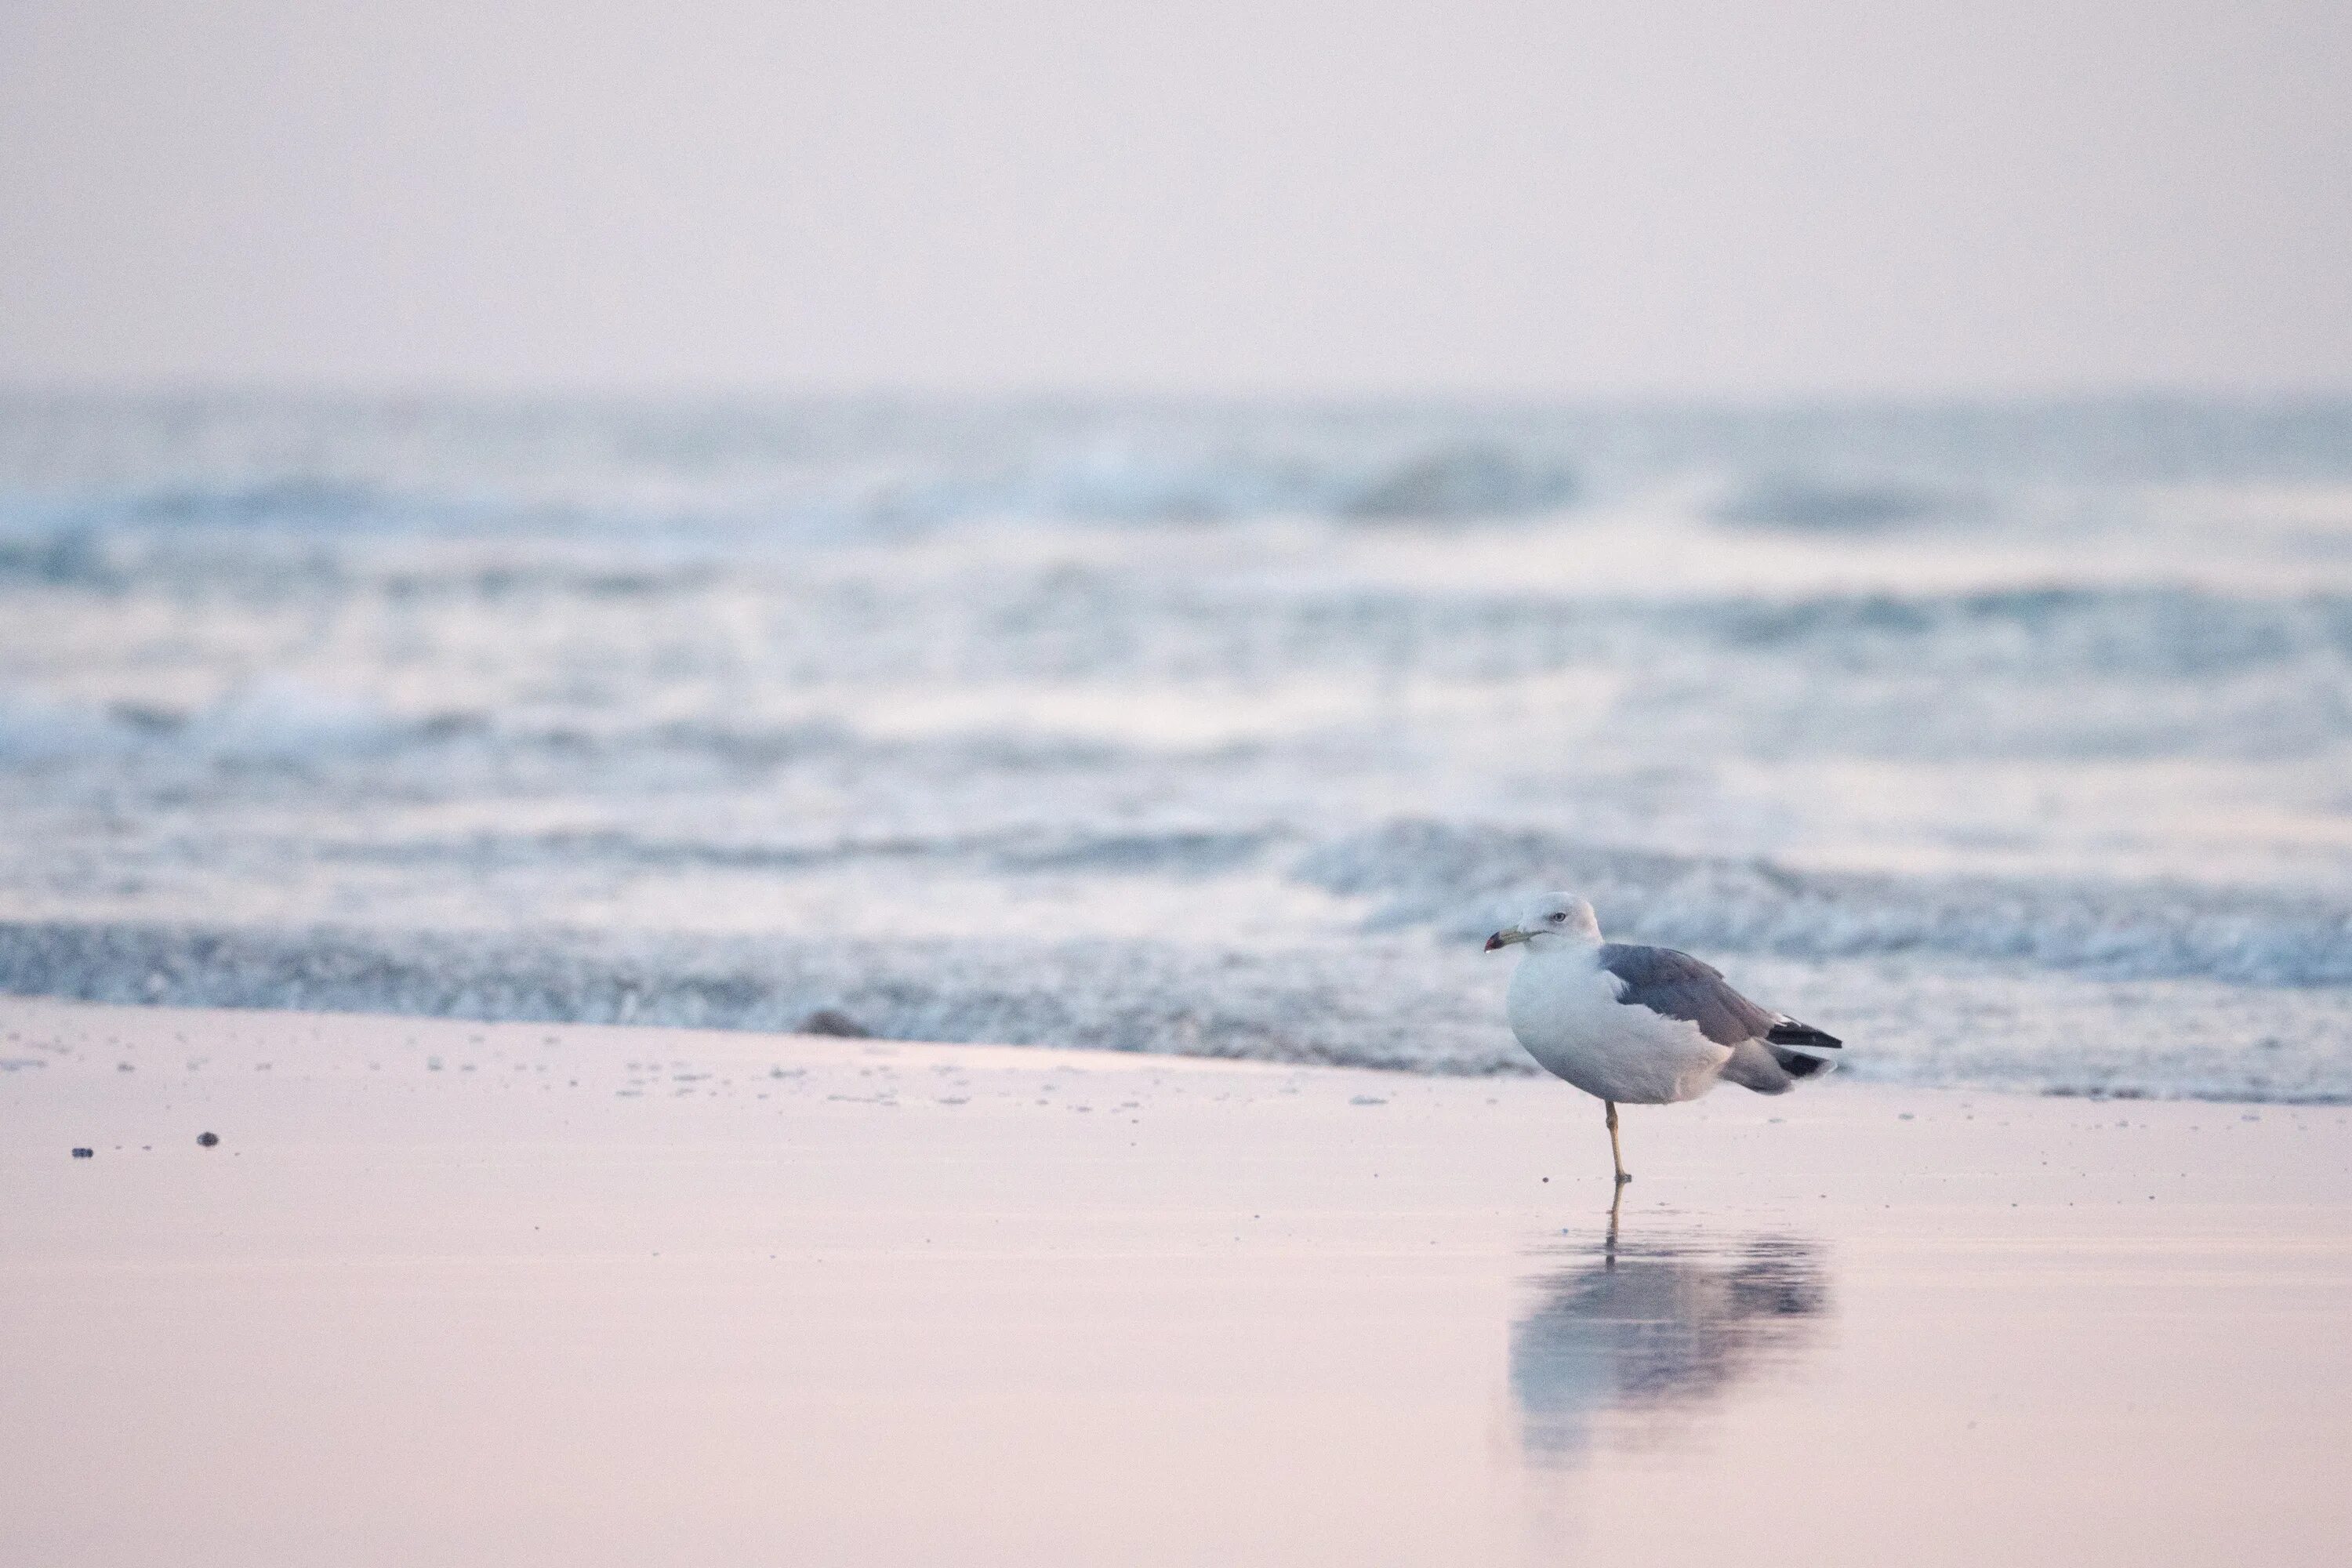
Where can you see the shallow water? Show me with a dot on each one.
(2010, 742)
(1651, 1334)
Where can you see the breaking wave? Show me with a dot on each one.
(1394, 1002)
(1292, 1005)
(1464, 880)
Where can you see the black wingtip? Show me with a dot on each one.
(1795, 1034)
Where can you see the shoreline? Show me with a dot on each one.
(2228, 1075)
(1390, 1001)
(491, 1293)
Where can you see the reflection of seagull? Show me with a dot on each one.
(1644, 1026)
(1650, 1328)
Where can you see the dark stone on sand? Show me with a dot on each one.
(206, 1140)
(84, 1153)
(833, 1021)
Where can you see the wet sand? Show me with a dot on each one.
(456, 1293)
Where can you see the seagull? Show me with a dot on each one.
(1644, 1026)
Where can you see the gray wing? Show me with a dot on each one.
(1680, 987)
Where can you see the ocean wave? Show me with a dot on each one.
(1834, 506)
(1296, 1005)
(1396, 1002)
(244, 456)
(297, 499)
(2160, 630)
(305, 506)
(272, 718)
(1124, 481)
(2057, 672)
(57, 558)
(1017, 851)
(1465, 880)
(1124, 620)
(1133, 483)
(1465, 482)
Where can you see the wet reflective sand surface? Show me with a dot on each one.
(1656, 1331)
(460, 1294)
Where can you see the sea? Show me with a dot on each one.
(2010, 741)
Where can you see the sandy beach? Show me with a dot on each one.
(822, 785)
(461, 1293)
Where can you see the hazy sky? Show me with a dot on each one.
(1707, 197)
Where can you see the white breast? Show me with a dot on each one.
(1563, 1007)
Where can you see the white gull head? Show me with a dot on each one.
(1553, 922)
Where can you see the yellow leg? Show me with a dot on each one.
(1616, 1155)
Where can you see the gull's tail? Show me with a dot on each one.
(1774, 1064)
(1792, 1046)
(1797, 1064)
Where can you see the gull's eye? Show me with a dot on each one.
(1558, 916)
